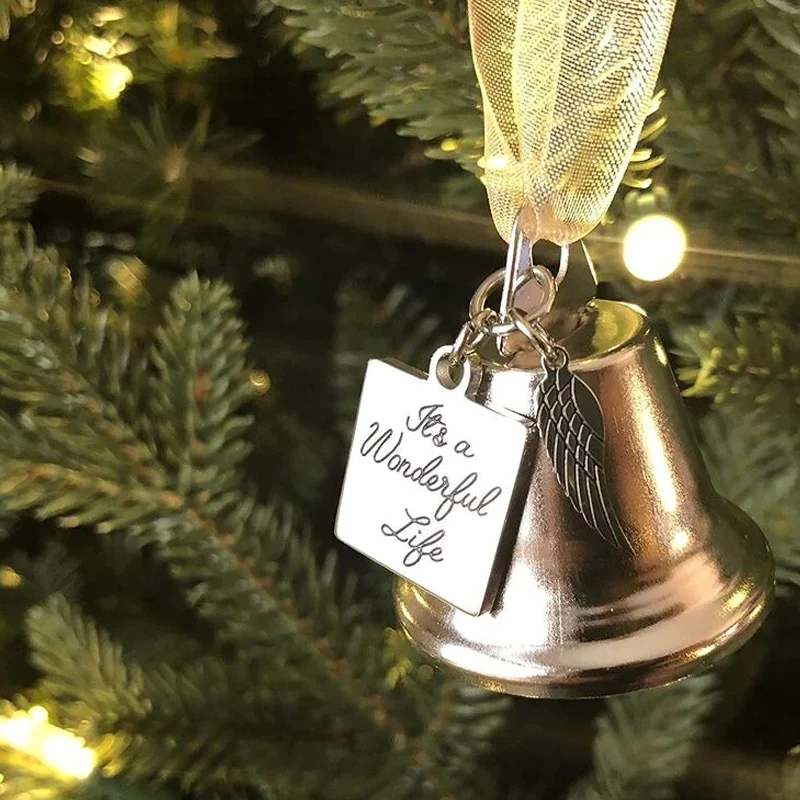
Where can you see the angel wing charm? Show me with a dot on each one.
(570, 423)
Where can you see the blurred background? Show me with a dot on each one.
(212, 214)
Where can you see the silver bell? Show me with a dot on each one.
(576, 615)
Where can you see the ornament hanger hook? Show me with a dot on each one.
(520, 267)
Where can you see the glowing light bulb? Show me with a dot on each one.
(260, 381)
(9, 578)
(16, 731)
(497, 163)
(38, 714)
(66, 754)
(654, 246)
(31, 733)
(112, 77)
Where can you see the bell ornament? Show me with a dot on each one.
(575, 614)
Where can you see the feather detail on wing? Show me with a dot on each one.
(570, 423)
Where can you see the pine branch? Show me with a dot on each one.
(230, 726)
(459, 733)
(53, 571)
(70, 454)
(645, 741)
(104, 788)
(161, 162)
(421, 75)
(733, 116)
(26, 777)
(758, 469)
(69, 362)
(723, 157)
(745, 367)
(393, 323)
(18, 187)
(13, 9)
(199, 386)
(791, 774)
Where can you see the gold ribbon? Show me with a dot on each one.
(566, 85)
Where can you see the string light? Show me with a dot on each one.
(260, 381)
(31, 733)
(497, 163)
(654, 247)
(111, 77)
(10, 578)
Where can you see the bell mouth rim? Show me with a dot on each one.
(625, 678)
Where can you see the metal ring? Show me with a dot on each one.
(536, 335)
(483, 292)
(460, 345)
(562, 357)
(472, 333)
(477, 304)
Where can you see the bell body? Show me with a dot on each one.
(575, 615)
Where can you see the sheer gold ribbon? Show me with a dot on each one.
(566, 85)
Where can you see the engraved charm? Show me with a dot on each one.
(570, 423)
(429, 481)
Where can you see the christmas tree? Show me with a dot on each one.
(211, 215)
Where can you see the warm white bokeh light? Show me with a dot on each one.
(31, 733)
(654, 247)
(111, 78)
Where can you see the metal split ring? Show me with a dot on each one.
(472, 333)
(503, 326)
(552, 352)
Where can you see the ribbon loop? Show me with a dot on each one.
(565, 85)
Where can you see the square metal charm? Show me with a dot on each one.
(429, 482)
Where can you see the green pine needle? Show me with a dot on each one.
(645, 741)
(199, 385)
(394, 323)
(752, 365)
(13, 9)
(421, 75)
(18, 187)
(101, 437)
(229, 723)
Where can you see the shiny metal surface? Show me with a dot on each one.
(577, 616)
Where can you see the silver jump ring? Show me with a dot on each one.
(472, 333)
(478, 302)
(505, 327)
(559, 359)
(554, 354)
(460, 345)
